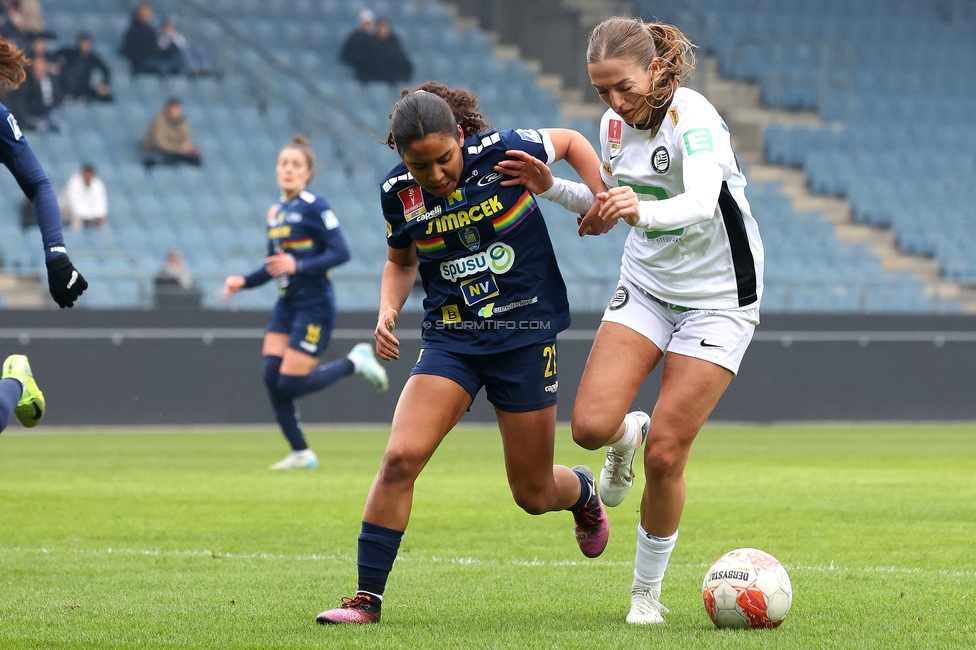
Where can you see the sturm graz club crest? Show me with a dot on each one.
(661, 160)
(471, 238)
(620, 298)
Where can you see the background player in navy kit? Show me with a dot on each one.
(495, 302)
(18, 392)
(304, 242)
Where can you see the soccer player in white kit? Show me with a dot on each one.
(690, 278)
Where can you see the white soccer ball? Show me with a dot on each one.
(747, 588)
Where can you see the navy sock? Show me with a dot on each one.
(321, 377)
(585, 492)
(378, 548)
(11, 391)
(286, 413)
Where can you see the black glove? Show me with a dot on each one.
(64, 281)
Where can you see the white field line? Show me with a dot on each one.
(821, 568)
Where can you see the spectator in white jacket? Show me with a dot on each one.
(85, 199)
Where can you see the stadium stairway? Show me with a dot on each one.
(741, 105)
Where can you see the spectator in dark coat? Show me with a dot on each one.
(78, 66)
(390, 61)
(359, 45)
(141, 45)
(34, 100)
(375, 53)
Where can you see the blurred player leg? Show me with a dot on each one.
(30, 406)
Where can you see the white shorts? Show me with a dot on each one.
(720, 336)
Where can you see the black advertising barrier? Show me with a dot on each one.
(201, 367)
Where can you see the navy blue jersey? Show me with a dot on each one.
(486, 260)
(308, 230)
(16, 154)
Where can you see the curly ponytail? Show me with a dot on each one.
(631, 39)
(434, 108)
(12, 63)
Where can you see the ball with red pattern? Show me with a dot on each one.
(747, 588)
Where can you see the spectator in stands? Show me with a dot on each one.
(174, 285)
(34, 100)
(28, 16)
(12, 34)
(375, 53)
(141, 45)
(359, 46)
(169, 140)
(390, 62)
(84, 201)
(78, 67)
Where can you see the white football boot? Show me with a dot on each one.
(645, 606)
(368, 366)
(617, 475)
(304, 459)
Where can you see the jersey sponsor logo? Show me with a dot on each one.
(488, 179)
(497, 258)
(619, 299)
(530, 135)
(457, 198)
(462, 218)
(708, 345)
(14, 127)
(697, 141)
(311, 348)
(664, 236)
(607, 169)
(413, 202)
(673, 114)
(479, 289)
(450, 314)
(661, 160)
(389, 229)
(552, 388)
(279, 232)
(614, 137)
(330, 219)
(293, 217)
(470, 237)
(436, 212)
(273, 217)
(58, 249)
(490, 309)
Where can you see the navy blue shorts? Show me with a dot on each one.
(308, 325)
(517, 381)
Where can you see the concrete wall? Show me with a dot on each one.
(162, 368)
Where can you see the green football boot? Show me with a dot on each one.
(30, 408)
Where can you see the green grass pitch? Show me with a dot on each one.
(186, 540)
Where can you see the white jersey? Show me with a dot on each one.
(715, 263)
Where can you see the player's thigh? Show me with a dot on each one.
(619, 362)
(297, 364)
(528, 439)
(690, 389)
(275, 344)
(428, 408)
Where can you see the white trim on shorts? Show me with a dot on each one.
(720, 336)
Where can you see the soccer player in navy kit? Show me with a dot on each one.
(19, 394)
(304, 242)
(495, 301)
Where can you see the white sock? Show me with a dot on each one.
(630, 436)
(306, 453)
(653, 554)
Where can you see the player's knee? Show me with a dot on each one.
(591, 430)
(534, 502)
(664, 460)
(399, 466)
(272, 366)
(288, 385)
